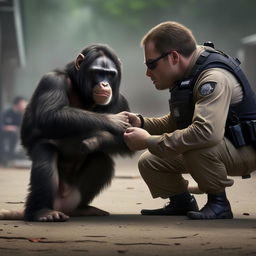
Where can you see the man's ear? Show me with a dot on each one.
(79, 60)
(175, 57)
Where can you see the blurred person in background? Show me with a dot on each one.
(11, 123)
(210, 131)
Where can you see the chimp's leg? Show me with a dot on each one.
(44, 183)
(95, 174)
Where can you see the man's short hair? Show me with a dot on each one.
(169, 36)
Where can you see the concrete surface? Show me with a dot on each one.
(125, 231)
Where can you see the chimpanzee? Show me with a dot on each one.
(70, 129)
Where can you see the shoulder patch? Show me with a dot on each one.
(207, 88)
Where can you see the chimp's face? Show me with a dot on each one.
(103, 73)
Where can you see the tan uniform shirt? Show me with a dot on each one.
(208, 123)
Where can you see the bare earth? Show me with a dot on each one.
(125, 231)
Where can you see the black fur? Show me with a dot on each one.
(55, 133)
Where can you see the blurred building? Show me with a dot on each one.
(248, 54)
(12, 53)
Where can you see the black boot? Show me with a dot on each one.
(217, 207)
(178, 205)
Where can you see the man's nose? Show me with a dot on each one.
(148, 72)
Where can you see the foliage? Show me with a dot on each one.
(224, 22)
(132, 13)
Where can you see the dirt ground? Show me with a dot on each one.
(125, 231)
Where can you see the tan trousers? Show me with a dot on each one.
(209, 167)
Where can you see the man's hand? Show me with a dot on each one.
(136, 138)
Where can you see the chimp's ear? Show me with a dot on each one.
(79, 60)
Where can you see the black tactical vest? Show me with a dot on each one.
(181, 101)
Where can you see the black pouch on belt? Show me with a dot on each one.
(236, 135)
(250, 132)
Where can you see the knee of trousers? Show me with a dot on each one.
(145, 163)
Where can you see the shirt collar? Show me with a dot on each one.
(195, 56)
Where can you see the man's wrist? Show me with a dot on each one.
(141, 120)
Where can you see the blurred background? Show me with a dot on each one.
(38, 36)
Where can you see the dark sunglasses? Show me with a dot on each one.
(151, 64)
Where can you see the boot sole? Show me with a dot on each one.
(199, 217)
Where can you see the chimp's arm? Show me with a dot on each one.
(52, 114)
